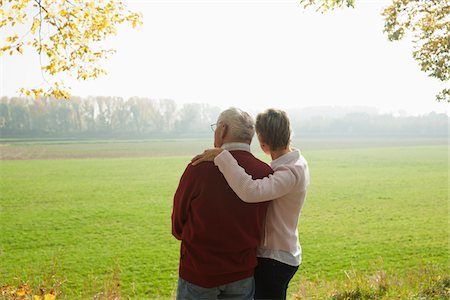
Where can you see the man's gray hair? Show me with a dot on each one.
(241, 124)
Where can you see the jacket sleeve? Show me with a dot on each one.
(252, 190)
(181, 202)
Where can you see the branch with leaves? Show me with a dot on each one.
(326, 5)
(429, 23)
(65, 34)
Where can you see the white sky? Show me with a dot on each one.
(254, 54)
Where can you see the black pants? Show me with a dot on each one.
(272, 278)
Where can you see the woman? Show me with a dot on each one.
(279, 255)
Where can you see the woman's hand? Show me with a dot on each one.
(207, 155)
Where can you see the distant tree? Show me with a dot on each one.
(105, 113)
(145, 114)
(5, 116)
(87, 115)
(168, 110)
(429, 22)
(19, 115)
(195, 117)
(121, 115)
(65, 35)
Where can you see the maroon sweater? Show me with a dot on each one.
(219, 233)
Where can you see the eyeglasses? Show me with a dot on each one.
(213, 127)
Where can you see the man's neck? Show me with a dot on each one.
(236, 146)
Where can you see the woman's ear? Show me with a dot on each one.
(264, 147)
(260, 140)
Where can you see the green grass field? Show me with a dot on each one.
(99, 226)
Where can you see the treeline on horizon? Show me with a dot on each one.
(115, 117)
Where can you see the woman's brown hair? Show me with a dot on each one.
(273, 128)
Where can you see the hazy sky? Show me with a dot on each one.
(254, 54)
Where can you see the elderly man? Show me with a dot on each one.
(219, 233)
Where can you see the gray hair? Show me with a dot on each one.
(241, 124)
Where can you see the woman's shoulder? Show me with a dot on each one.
(298, 167)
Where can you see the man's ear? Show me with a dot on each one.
(224, 132)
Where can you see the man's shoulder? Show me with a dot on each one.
(248, 160)
(202, 167)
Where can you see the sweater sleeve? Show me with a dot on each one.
(181, 203)
(252, 190)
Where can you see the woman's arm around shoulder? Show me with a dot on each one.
(250, 190)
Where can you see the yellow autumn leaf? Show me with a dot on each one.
(49, 297)
(36, 24)
(11, 39)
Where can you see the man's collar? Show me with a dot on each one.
(236, 146)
